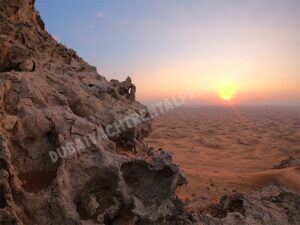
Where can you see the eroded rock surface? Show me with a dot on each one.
(49, 98)
(273, 205)
(287, 163)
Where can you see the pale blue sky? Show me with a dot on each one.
(149, 39)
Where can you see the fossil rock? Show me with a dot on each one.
(52, 103)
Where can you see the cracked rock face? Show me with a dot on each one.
(50, 98)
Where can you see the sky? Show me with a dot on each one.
(242, 51)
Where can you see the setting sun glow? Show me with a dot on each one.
(231, 51)
(226, 91)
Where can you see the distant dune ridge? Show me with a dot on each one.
(225, 150)
(104, 172)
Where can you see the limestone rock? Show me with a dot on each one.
(58, 159)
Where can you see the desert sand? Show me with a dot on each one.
(225, 149)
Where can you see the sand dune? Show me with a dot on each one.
(224, 149)
(289, 177)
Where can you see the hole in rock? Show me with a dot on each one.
(33, 154)
(91, 85)
(124, 150)
(53, 138)
(125, 216)
(33, 182)
(34, 66)
(98, 193)
(3, 164)
(147, 183)
(82, 211)
(2, 198)
(105, 201)
(227, 205)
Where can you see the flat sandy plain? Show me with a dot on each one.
(224, 149)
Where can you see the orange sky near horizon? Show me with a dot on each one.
(248, 84)
(246, 51)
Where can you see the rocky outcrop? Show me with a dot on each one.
(272, 205)
(61, 123)
(287, 163)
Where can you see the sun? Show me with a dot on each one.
(226, 91)
(227, 97)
